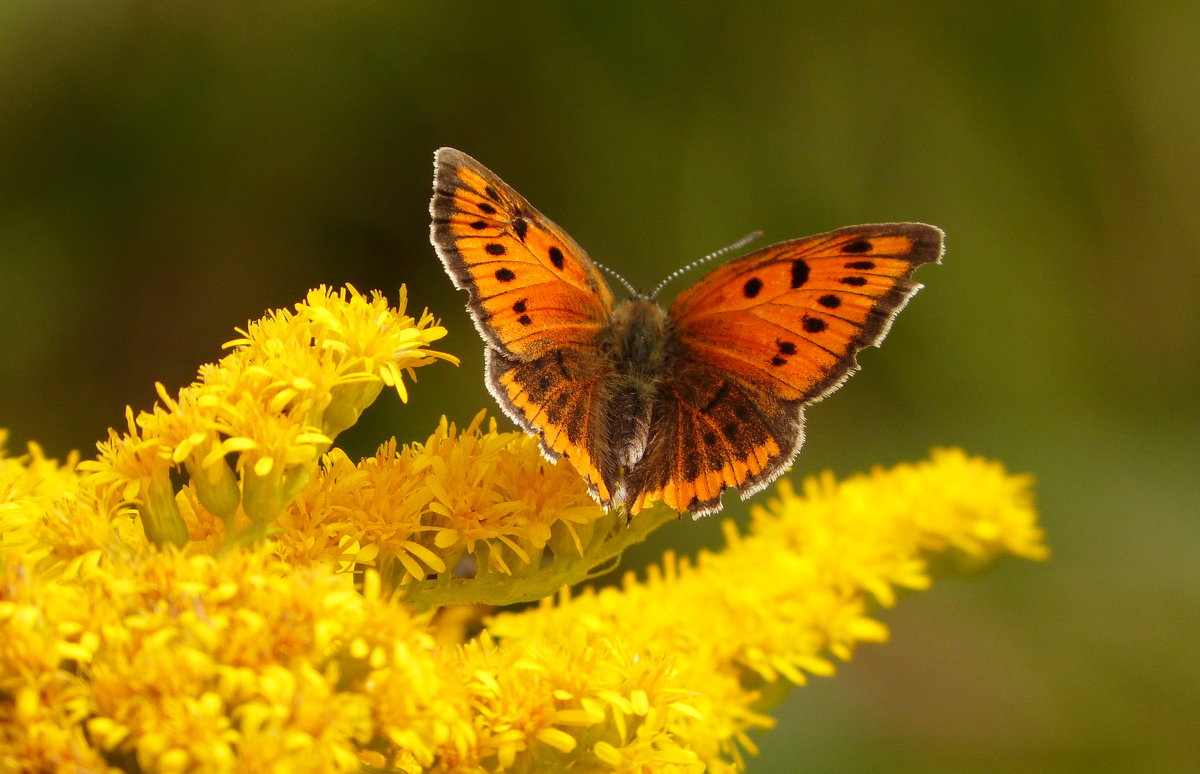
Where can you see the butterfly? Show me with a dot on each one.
(651, 404)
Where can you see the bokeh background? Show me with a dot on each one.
(170, 171)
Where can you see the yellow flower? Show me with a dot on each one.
(553, 704)
(778, 603)
(304, 623)
(466, 517)
(252, 428)
(231, 664)
(50, 517)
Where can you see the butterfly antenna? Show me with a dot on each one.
(632, 290)
(724, 250)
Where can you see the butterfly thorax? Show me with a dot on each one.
(637, 338)
(638, 344)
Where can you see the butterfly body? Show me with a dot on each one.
(665, 404)
(638, 347)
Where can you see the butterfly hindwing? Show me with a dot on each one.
(713, 431)
(560, 396)
(532, 288)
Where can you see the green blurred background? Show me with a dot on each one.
(168, 172)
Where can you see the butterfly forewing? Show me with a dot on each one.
(531, 286)
(790, 317)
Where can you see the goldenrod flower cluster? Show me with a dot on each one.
(222, 589)
(250, 431)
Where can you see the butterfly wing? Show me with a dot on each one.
(538, 301)
(562, 397)
(532, 289)
(760, 337)
(712, 430)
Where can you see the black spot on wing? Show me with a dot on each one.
(799, 273)
(858, 246)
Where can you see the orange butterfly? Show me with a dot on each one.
(655, 405)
